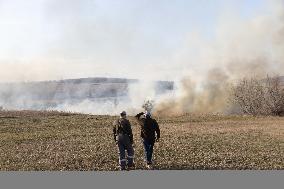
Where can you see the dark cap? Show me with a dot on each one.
(123, 113)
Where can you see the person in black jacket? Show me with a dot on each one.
(150, 133)
(123, 137)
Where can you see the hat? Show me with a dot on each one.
(123, 113)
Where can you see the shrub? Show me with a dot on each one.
(259, 97)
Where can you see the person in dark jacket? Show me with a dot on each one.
(150, 133)
(123, 137)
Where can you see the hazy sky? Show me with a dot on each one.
(85, 38)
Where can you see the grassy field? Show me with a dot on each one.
(62, 141)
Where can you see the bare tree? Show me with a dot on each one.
(259, 97)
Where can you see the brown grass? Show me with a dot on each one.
(61, 141)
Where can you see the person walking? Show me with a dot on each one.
(150, 133)
(123, 137)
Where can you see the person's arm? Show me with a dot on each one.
(114, 130)
(157, 129)
(139, 115)
(129, 131)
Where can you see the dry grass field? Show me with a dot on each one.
(63, 141)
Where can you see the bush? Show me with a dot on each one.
(259, 97)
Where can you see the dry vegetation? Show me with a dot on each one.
(62, 141)
(259, 97)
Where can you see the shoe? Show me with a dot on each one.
(122, 169)
(149, 166)
(131, 167)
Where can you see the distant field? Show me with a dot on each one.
(62, 141)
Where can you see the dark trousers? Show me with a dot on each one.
(124, 144)
(148, 149)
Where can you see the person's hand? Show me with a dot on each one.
(138, 115)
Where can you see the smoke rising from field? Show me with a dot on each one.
(66, 40)
(250, 48)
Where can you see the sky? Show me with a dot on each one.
(57, 39)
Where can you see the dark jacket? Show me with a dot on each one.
(122, 127)
(149, 127)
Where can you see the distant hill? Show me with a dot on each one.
(81, 87)
(52, 93)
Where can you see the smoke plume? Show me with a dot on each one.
(50, 40)
(242, 48)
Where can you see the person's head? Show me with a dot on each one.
(123, 114)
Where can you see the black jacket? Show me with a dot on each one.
(122, 126)
(149, 127)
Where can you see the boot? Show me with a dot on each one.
(149, 165)
(122, 169)
(131, 167)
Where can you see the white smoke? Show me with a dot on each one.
(242, 48)
(73, 39)
(138, 93)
